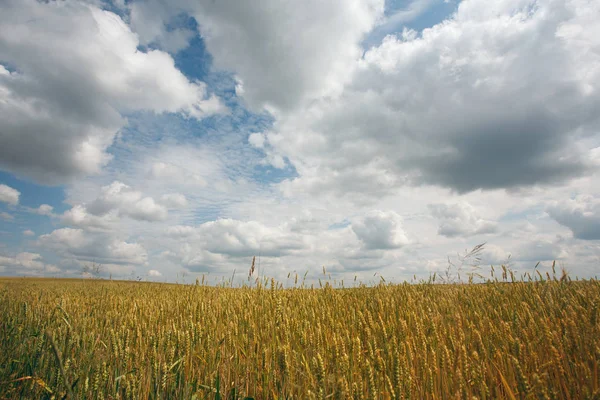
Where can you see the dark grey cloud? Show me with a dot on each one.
(504, 152)
(465, 105)
(581, 215)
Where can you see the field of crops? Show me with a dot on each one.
(98, 339)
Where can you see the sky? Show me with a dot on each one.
(166, 140)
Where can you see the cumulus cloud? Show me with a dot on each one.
(45, 209)
(581, 215)
(196, 259)
(82, 245)
(541, 250)
(267, 44)
(126, 202)
(57, 118)
(227, 236)
(498, 96)
(306, 223)
(65, 237)
(380, 230)
(115, 201)
(257, 140)
(79, 216)
(25, 260)
(245, 238)
(28, 232)
(9, 195)
(218, 245)
(494, 97)
(27, 264)
(154, 272)
(494, 255)
(461, 219)
(181, 231)
(151, 30)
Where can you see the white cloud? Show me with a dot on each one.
(380, 230)
(396, 18)
(164, 170)
(306, 233)
(283, 53)
(581, 215)
(181, 231)
(65, 237)
(58, 117)
(147, 209)
(240, 238)
(117, 200)
(52, 269)
(28, 232)
(177, 173)
(148, 25)
(494, 255)
(494, 97)
(499, 96)
(223, 244)
(306, 222)
(81, 245)
(6, 216)
(174, 200)
(79, 216)
(27, 264)
(9, 195)
(29, 260)
(45, 209)
(196, 259)
(257, 140)
(541, 250)
(461, 219)
(127, 202)
(154, 272)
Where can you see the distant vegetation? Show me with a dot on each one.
(99, 339)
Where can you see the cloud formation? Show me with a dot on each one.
(284, 53)
(380, 230)
(581, 215)
(494, 97)
(26, 263)
(9, 195)
(127, 202)
(238, 238)
(58, 117)
(465, 132)
(80, 245)
(45, 209)
(460, 219)
(6, 216)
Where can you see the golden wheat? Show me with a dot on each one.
(95, 339)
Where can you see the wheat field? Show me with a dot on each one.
(101, 339)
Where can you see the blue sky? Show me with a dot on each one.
(160, 138)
